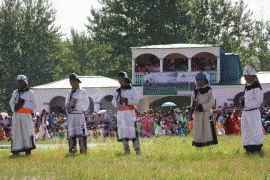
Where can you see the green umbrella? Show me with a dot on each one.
(168, 104)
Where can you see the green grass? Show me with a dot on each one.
(162, 158)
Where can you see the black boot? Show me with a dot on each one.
(28, 152)
(16, 154)
(83, 145)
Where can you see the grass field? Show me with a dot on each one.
(162, 158)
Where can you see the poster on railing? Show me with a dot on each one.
(169, 83)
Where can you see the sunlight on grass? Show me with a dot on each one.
(162, 158)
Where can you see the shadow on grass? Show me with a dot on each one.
(19, 156)
(121, 154)
(71, 155)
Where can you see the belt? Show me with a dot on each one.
(127, 108)
(250, 109)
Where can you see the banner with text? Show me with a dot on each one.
(169, 83)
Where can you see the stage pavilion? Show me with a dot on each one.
(161, 73)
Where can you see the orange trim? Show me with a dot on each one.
(24, 111)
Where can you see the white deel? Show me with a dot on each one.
(23, 135)
(202, 132)
(76, 125)
(130, 94)
(251, 125)
(126, 119)
(76, 122)
(82, 103)
(126, 125)
(29, 100)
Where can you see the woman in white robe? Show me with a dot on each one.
(204, 133)
(124, 99)
(77, 103)
(251, 125)
(22, 103)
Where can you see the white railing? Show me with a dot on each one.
(138, 78)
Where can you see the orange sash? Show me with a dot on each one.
(24, 111)
(127, 107)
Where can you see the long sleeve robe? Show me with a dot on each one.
(126, 120)
(203, 128)
(251, 125)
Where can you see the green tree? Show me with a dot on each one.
(30, 44)
(10, 55)
(127, 24)
(256, 48)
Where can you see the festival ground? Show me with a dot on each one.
(162, 158)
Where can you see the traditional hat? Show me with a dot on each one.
(249, 70)
(23, 78)
(203, 76)
(74, 77)
(124, 75)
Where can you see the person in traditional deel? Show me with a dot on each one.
(22, 103)
(229, 124)
(251, 125)
(237, 122)
(77, 103)
(203, 100)
(125, 99)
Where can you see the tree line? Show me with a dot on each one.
(31, 44)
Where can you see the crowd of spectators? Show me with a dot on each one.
(178, 64)
(202, 64)
(153, 123)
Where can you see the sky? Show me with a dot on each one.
(73, 13)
